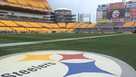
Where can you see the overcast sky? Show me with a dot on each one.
(80, 6)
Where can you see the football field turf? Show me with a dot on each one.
(122, 47)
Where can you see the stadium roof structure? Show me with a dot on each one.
(39, 5)
(62, 9)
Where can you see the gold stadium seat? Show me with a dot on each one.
(42, 30)
(135, 24)
(22, 2)
(81, 25)
(5, 29)
(9, 23)
(24, 24)
(63, 30)
(91, 26)
(129, 24)
(86, 25)
(19, 29)
(53, 26)
(71, 25)
(34, 24)
(46, 5)
(32, 3)
(62, 25)
(69, 30)
(12, 1)
(39, 4)
(55, 30)
(1, 24)
(33, 29)
(45, 25)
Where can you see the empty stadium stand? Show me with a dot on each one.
(24, 16)
(129, 24)
(86, 25)
(5, 29)
(33, 4)
(9, 23)
(40, 27)
(71, 25)
(61, 25)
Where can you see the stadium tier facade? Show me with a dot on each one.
(24, 16)
(119, 15)
(64, 15)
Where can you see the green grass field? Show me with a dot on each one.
(11, 38)
(122, 47)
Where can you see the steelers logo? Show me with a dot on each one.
(115, 14)
(59, 63)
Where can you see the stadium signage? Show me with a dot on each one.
(63, 64)
(118, 5)
(28, 70)
(131, 5)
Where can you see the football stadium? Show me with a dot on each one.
(32, 25)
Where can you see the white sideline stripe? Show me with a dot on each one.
(57, 40)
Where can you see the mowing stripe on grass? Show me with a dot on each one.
(58, 40)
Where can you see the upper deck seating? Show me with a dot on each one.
(129, 24)
(38, 4)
